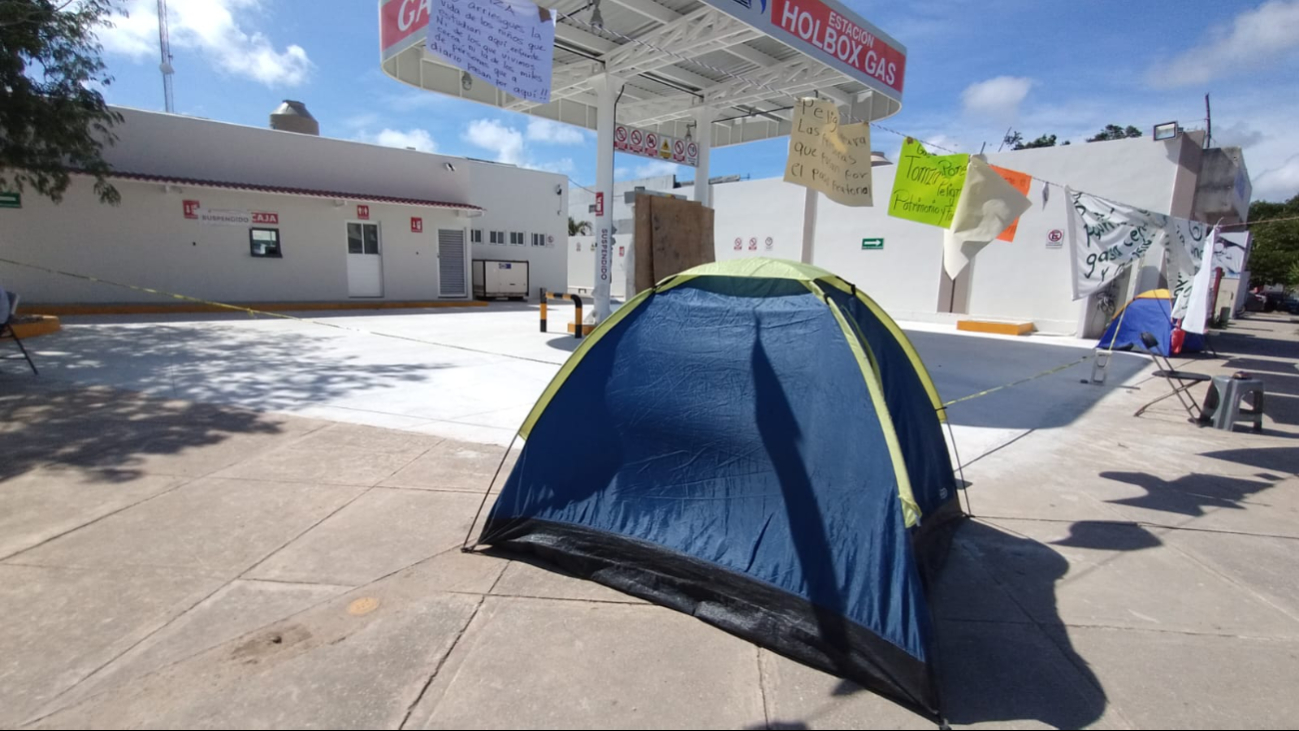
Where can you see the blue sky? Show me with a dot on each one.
(975, 67)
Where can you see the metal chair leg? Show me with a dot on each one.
(23, 348)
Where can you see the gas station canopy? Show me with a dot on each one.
(780, 48)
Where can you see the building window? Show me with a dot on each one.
(498, 237)
(264, 242)
(363, 238)
(476, 236)
(538, 239)
(516, 238)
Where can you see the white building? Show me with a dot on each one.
(1027, 280)
(243, 214)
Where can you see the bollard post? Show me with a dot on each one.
(544, 297)
(577, 316)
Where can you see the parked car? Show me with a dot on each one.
(1292, 304)
(1255, 302)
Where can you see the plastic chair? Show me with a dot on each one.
(1180, 381)
(1222, 402)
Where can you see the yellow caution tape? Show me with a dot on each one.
(253, 312)
(1034, 377)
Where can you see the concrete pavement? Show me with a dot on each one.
(195, 563)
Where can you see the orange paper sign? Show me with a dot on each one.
(1021, 182)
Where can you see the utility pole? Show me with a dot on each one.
(164, 46)
(1208, 123)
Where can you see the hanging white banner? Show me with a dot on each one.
(1229, 252)
(1187, 240)
(1106, 237)
(1197, 299)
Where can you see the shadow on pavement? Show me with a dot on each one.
(268, 369)
(1276, 459)
(962, 365)
(1187, 495)
(104, 432)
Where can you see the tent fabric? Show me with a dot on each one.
(1151, 312)
(758, 450)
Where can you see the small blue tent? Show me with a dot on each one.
(761, 448)
(1150, 312)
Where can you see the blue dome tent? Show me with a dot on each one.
(1150, 312)
(762, 449)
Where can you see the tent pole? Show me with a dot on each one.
(464, 546)
(960, 469)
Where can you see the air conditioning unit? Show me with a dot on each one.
(496, 279)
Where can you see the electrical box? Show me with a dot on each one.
(495, 279)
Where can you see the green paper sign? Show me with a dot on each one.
(11, 200)
(927, 187)
(872, 243)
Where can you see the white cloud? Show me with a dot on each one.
(563, 165)
(216, 29)
(554, 133)
(1238, 134)
(997, 98)
(419, 139)
(656, 168)
(490, 134)
(362, 121)
(1278, 184)
(1257, 38)
(621, 173)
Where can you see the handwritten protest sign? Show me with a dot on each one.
(508, 43)
(830, 157)
(1106, 238)
(927, 187)
(1019, 181)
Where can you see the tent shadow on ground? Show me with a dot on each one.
(1188, 495)
(962, 365)
(1023, 668)
(1004, 654)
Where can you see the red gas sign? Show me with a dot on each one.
(363, 213)
(191, 209)
(599, 204)
(416, 225)
(272, 219)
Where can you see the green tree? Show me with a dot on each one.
(578, 228)
(1043, 141)
(53, 121)
(1274, 252)
(1115, 132)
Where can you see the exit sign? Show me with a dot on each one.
(11, 200)
(872, 243)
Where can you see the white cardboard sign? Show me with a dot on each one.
(510, 44)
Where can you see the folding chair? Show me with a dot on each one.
(7, 329)
(1180, 381)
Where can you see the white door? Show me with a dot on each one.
(453, 262)
(364, 260)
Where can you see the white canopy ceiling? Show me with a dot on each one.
(663, 90)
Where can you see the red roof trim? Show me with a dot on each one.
(292, 191)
